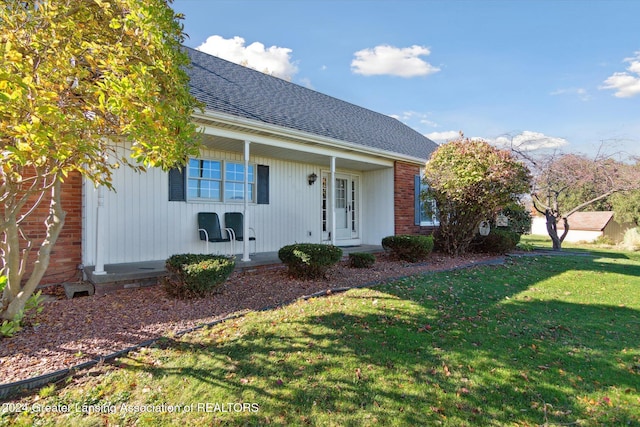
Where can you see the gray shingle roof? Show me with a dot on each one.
(240, 91)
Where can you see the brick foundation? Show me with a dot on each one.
(403, 200)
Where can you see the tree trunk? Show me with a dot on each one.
(553, 233)
(16, 294)
(11, 259)
(552, 229)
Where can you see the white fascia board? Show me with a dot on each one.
(312, 148)
(306, 137)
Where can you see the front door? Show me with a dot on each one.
(342, 207)
(346, 205)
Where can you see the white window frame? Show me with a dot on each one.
(223, 181)
(190, 178)
(252, 182)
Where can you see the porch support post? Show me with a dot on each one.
(245, 223)
(99, 269)
(332, 199)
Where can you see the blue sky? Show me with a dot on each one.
(542, 73)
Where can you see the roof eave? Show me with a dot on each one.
(303, 136)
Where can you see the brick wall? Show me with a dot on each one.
(67, 252)
(403, 200)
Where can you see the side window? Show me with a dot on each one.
(426, 211)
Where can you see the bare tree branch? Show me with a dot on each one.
(571, 182)
(590, 202)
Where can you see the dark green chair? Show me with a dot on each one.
(210, 231)
(235, 221)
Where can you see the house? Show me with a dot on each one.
(586, 227)
(300, 165)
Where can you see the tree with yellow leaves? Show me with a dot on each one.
(76, 77)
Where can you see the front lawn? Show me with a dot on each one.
(539, 341)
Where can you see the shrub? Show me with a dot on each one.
(309, 260)
(439, 245)
(604, 240)
(497, 241)
(31, 309)
(469, 180)
(9, 328)
(409, 248)
(632, 239)
(361, 260)
(519, 218)
(196, 275)
(526, 246)
(26, 316)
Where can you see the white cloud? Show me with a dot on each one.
(390, 60)
(306, 82)
(579, 92)
(274, 60)
(411, 117)
(525, 141)
(446, 136)
(626, 84)
(529, 141)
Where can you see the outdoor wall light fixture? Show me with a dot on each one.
(312, 178)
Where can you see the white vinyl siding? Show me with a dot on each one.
(140, 224)
(377, 206)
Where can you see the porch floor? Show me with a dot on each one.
(145, 273)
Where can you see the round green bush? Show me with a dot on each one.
(409, 248)
(361, 260)
(519, 218)
(497, 241)
(309, 260)
(196, 275)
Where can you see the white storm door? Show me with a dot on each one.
(342, 208)
(346, 206)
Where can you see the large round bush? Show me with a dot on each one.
(309, 260)
(196, 275)
(409, 248)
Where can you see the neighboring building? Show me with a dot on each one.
(586, 227)
(364, 163)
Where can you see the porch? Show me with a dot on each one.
(146, 273)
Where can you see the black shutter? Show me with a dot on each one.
(416, 199)
(177, 185)
(263, 185)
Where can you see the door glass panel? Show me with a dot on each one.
(341, 193)
(324, 204)
(353, 206)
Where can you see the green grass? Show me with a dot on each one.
(544, 242)
(539, 341)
